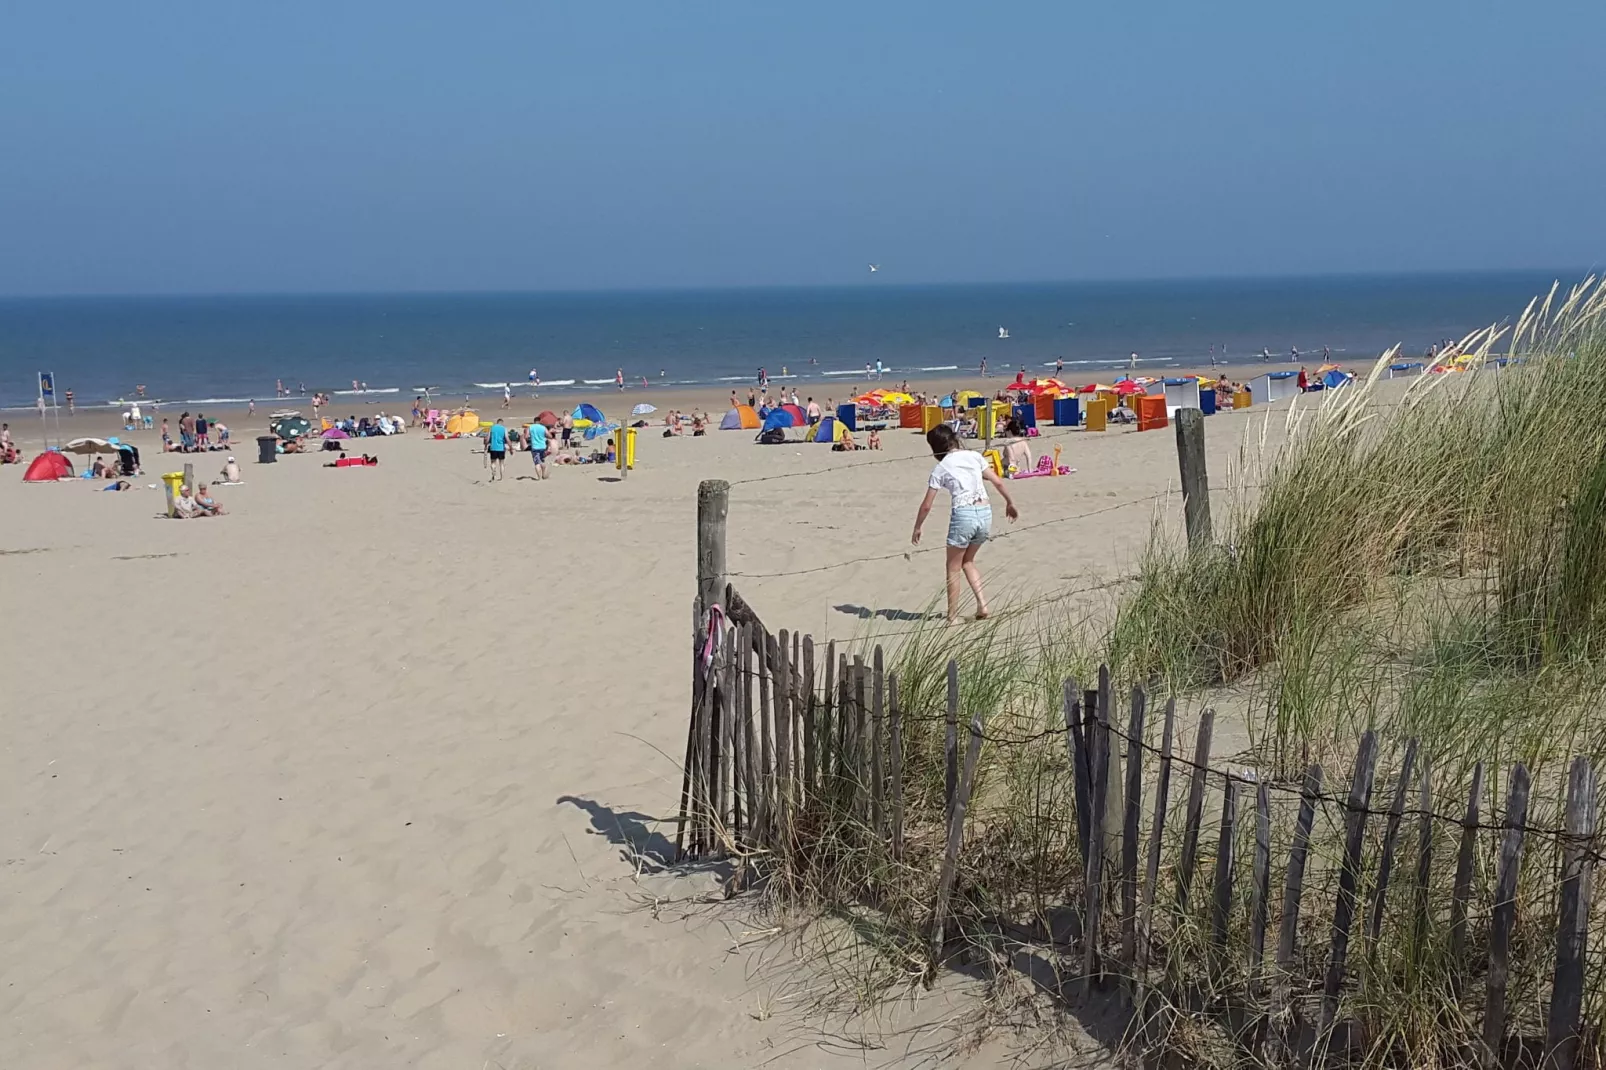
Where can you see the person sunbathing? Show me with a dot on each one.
(102, 469)
(846, 444)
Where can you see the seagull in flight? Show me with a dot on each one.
(874, 268)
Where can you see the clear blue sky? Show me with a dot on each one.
(184, 146)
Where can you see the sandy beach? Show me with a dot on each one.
(373, 771)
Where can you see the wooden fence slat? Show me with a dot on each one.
(810, 737)
(841, 789)
(1577, 876)
(683, 829)
(1349, 879)
(1195, 812)
(1114, 807)
(895, 756)
(1424, 871)
(1260, 879)
(1504, 917)
(1391, 833)
(828, 715)
(733, 728)
(744, 690)
(766, 749)
(1076, 751)
(861, 743)
(1130, 828)
(727, 748)
(1098, 755)
(1226, 855)
(783, 737)
(1162, 792)
(950, 748)
(878, 684)
(1463, 878)
(1281, 1041)
(798, 701)
(950, 854)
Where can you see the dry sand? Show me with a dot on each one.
(354, 776)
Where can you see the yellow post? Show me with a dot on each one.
(625, 448)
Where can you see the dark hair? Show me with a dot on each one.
(943, 440)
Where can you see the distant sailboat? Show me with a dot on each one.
(1003, 332)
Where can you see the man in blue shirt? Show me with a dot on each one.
(496, 446)
(538, 448)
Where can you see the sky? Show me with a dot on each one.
(217, 146)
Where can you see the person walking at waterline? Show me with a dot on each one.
(964, 474)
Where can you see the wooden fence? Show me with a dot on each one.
(798, 760)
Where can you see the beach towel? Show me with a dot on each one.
(1045, 467)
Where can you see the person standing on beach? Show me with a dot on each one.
(984, 367)
(538, 447)
(496, 447)
(251, 407)
(813, 411)
(964, 474)
(507, 396)
(619, 379)
(1059, 367)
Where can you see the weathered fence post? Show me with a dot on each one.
(827, 727)
(950, 854)
(1349, 879)
(1129, 829)
(783, 738)
(1391, 832)
(1283, 1039)
(713, 506)
(1424, 870)
(951, 739)
(895, 763)
(861, 744)
(1463, 879)
(1151, 882)
(809, 745)
(1195, 479)
(744, 691)
(1113, 807)
(1504, 917)
(1577, 876)
(1195, 812)
(766, 770)
(1076, 750)
(878, 683)
(1260, 879)
(1226, 855)
(1098, 748)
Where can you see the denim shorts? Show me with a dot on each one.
(969, 525)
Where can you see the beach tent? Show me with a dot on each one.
(466, 422)
(1335, 378)
(586, 414)
(47, 468)
(779, 418)
(799, 417)
(828, 429)
(741, 418)
(548, 419)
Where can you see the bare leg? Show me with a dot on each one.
(973, 576)
(956, 555)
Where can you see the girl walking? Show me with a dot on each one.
(964, 474)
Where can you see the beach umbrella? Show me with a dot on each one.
(87, 446)
(1123, 387)
(599, 428)
(335, 432)
(291, 427)
(643, 409)
(548, 419)
(1094, 388)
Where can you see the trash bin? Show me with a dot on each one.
(172, 481)
(267, 449)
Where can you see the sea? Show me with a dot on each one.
(378, 347)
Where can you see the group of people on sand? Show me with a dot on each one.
(195, 435)
(187, 506)
(677, 422)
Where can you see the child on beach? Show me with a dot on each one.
(964, 474)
